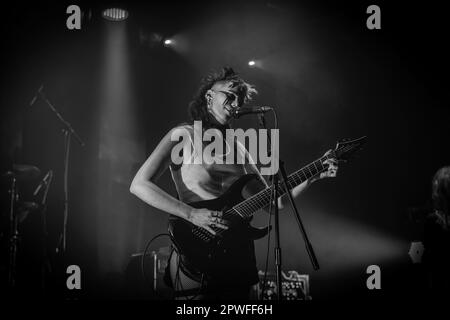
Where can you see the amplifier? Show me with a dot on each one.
(295, 286)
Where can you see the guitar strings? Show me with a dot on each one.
(250, 206)
(249, 203)
(247, 207)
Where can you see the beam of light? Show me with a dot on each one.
(255, 63)
(341, 245)
(118, 149)
(346, 245)
(115, 14)
(178, 43)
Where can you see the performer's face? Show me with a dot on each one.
(224, 100)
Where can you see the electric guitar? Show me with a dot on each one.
(201, 252)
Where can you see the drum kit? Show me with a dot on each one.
(19, 209)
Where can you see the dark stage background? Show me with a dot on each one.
(328, 76)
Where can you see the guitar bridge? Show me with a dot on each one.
(202, 235)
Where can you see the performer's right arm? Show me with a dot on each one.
(145, 188)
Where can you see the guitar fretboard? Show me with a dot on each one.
(260, 200)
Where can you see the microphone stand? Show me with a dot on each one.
(275, 183)
(274, 199)
(309, 248)
(68, 133)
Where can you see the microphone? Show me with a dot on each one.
(36, 95)
(250, 110)
(43, 182)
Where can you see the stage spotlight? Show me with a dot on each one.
(255, 64)
(168, 42)
(115, 14)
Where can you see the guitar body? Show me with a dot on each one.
(200, 252)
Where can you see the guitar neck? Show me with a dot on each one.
(262, 199)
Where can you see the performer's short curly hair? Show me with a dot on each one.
(440, 189)
(197, 107)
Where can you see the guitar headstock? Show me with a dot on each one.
(347, 148)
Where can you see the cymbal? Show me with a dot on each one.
(23, 172)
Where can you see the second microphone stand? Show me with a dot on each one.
(68, 133)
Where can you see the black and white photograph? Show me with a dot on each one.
(235, 156)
